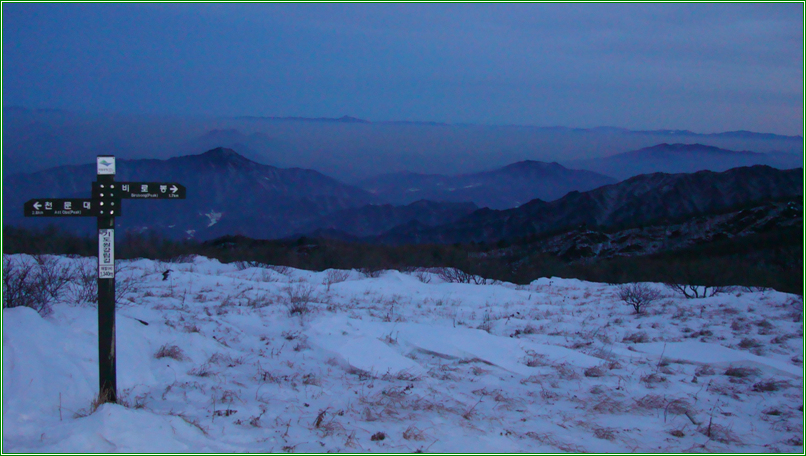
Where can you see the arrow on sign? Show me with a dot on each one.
(37, 205)
(142, 190)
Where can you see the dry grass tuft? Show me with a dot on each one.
(770, 385)
(742, 372)
(651, 402)
(604, 433)
(608, 405)
(719, 433)
(639, 337)
(549, 439)
(705, 369)
(170, 351)
(651, 380)
(596, 371)
(413, 433)
(748, 343)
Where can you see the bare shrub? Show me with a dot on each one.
(246, 264)
(85, 281)
(695, 291)
(638, 295)
(300, 297)
(335, 276)
(170, 351)
(34, 282)
(422, 274)
(372, 273)
(455, 275)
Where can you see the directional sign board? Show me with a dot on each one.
(106, 254)
(62, 207)
(145, 190)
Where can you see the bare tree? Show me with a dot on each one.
(638, 295)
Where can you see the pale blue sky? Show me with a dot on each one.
(702, 67)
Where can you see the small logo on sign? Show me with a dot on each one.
(106, 165)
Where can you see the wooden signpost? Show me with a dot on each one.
(105, 205)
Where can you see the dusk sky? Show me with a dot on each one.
(702, 67)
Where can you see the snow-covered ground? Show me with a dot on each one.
(214, 360)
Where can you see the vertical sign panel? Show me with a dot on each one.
(106, 254)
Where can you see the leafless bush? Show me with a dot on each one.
(454, 275)
(284, 270)
(422, 274)
(170, 351)
(638, 295)
(300, 297)
(372, 273)
(246, 264)
(84, 286)
(34, 282)
(335, 276)
(696, 291)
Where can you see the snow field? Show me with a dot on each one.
(217, 359)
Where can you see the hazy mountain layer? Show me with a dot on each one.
(683, 158)
(35, 140)
(502, 188)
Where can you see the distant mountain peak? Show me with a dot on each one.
(696, 147)
(223, 156)
(532, 164)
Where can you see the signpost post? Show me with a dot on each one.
(105, 205)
